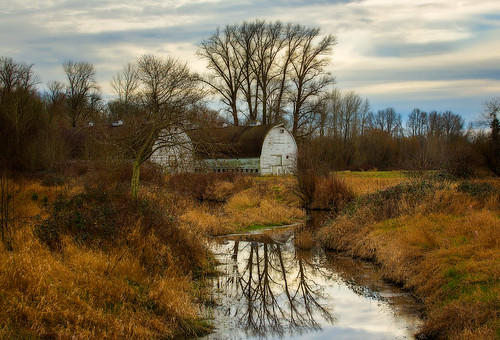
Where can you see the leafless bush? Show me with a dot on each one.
(316, 186)
(6, 210)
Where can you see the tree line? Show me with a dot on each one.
(351, 136)
(261, 71)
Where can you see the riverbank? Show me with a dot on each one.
(439, 239)
(84, 260)
(81, 259)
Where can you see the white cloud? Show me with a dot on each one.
(389, 49)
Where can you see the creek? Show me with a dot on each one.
(269, 289)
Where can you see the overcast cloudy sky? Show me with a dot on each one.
(431, 54)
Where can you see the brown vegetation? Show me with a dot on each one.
(85, 260)
(367, 182)
(439, 239)
(317, 188)
(88, 262)
(250, 202)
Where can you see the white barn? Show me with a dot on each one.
(262, 149)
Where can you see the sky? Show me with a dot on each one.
(431, 54)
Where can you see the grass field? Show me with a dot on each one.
(86, 261)
(439, 239)
(366, 182)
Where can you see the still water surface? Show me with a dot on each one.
(268, 289)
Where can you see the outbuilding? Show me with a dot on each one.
(263, 149)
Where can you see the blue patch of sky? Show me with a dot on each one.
(467, 107)
(491, 16)
(453, 71)
(175, 34)
(402, 50)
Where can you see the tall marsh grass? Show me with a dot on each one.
(264, 202)
(442, 240)
(88, 263)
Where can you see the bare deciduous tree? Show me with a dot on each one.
(387, 120)
(416, 124)
(308, 75)
(227, 72)
(20, 105)
(167, 94)
(491, 111)
(81, 90)
(276, 69)
(125, 84)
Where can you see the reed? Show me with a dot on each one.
(441, 240)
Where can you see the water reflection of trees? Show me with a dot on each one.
(274, 290)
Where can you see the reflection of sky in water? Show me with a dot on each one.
(309, 301)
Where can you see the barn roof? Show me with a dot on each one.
(231, 141)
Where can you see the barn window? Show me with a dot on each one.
(282, 131)
(172, 161)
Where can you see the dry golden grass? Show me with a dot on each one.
(267, 202)
(207, 222)
(70, 294)
(367, 182)
(136, 282)
(133, 288)
(442, 243)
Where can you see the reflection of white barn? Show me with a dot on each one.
(262, 149)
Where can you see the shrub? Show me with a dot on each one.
(102, 220)
(208, 186)
(331, 193)
(387, 203)
(476, 189)
(327, 192)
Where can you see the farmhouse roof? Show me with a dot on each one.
(231, 141)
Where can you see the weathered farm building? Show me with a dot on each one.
(262, 149)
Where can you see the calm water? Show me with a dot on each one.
(268, 289)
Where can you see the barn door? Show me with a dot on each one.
(277, 166)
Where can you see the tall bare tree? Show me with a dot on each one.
(269, 43)
(125, 84)
(167, 93)
(387, 120)
(491, 111)
(81, 90)
(416, 125)
(292, 37)
(20, 106)
(272, 67)
(227, 72)
(245, 49)
(55, 99)
(308, 77)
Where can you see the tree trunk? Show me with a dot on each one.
(136, 168)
